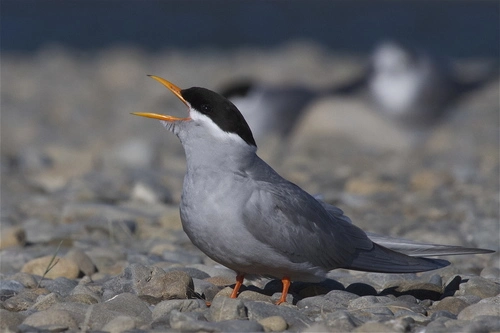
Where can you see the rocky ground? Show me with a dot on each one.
(92, 193)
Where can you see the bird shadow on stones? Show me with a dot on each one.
(300, 290)
(425, 291)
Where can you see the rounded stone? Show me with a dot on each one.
(273, 324)
(119, 324)
(51, 318)
(52, 268)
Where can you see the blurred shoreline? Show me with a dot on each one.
(446, 28)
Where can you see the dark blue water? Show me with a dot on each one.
(451, 28)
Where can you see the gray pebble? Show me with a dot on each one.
(61, 286)
(184, 323)
(442, 313)
(479, 286)
(438, 325)
(437, 280)
(24, 300)
(119, 324)
(48, 318)
(364, 302)
(151, 284)
(490, 322)
(491, 273)
(206, 289)
(344, 297)
(9, 288)
(25, 279)
(223, 308)
(88, 293)
(485, 307)
(319, 304)
(373, 326)
(10, 320)
(44, 302)
(182, 305)
(81, 298)
(273, 324)
(259, 296)
(295, 319)
(79, 311)
(128, 304)
(410, 306)
(186, 320)
(451, 304)
(13, 260)
(341, 321)
(191, 271)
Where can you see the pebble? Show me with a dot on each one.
(44, 302)
(10, 320)
(479, 286)
(491, 273)
(206, 289)
(62, 286)
(85, 294)
(273, 324)
(24, 299)
(119, 324)
(182, 305)
(9, 288)
(52, 268)
(259, 310)
(451, 304)
(341, 321)
(373, 326)
(151, 283)
(485, 307)
(27, 280)
(128, 304)
(48, 319)
(223, 308)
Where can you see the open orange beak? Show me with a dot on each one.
(177, 92)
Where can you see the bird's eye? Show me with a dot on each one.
(205, 108)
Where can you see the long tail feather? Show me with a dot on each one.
(416, 249)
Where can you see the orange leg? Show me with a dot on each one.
(284, 292)
(239, 282)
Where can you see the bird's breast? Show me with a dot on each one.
(212, 213)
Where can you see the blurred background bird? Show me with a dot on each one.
(414, 89)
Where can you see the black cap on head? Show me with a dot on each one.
(220, 110)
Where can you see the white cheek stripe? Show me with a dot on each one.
(212, 127)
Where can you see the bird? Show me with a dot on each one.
(412, 88)
(270, 110)
(241, 213)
